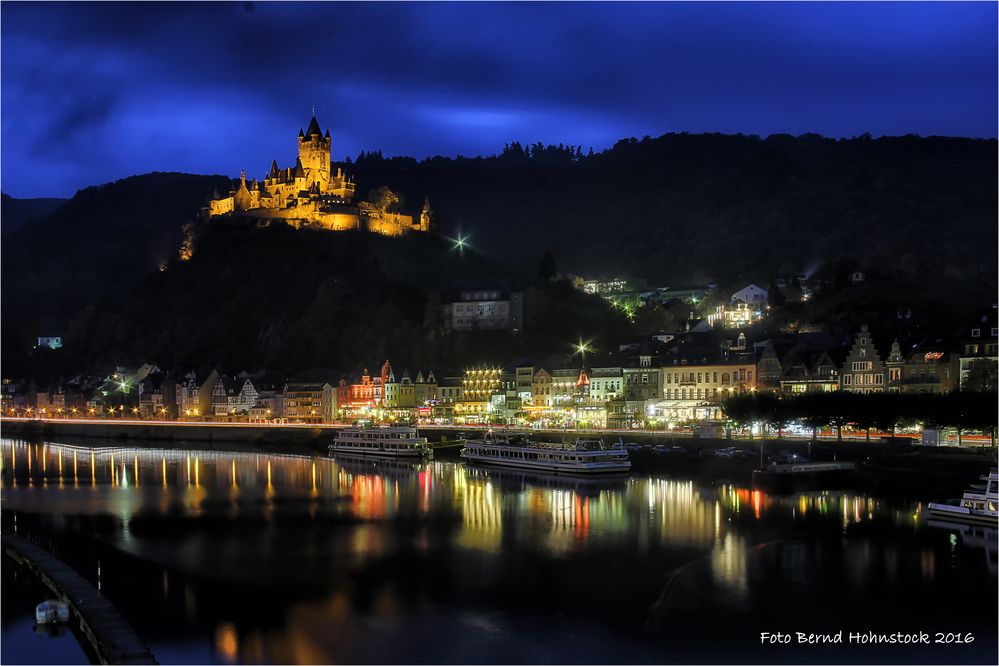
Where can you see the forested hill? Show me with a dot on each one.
(682, 208)
(17, 213)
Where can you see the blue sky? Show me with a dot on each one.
(93, 92)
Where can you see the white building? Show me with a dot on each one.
(606, 384)
(752, 295)
(485, 310)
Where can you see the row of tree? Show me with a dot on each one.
(884, 411)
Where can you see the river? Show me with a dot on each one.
(218, 557)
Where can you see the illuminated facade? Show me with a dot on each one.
(311, 194)
(863, 371)
(383, 396)
(309, 403)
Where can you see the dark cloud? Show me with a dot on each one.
(215, 87)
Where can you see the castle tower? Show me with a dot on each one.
(314, 152)
(241, 197)
(425, 216)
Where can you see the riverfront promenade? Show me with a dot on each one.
(110, 636)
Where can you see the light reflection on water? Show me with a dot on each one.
(361, 549)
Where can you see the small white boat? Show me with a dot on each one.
(52, 611)
(979, 504)
(381, 441)
(584, 456)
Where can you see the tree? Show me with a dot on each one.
(385, 199)
(546, 270)
(982, 376)
(775, 296)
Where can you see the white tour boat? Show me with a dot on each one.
(584, 456)
(979, 503)
(381, 441)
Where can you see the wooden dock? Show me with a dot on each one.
(111, 637)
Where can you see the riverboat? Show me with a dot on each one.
(979, 503)
(789, 477)
(396, 468)
(584, 456)
(394, 442)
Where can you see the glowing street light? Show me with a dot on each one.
(459, 244)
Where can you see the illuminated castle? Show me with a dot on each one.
(310, 194)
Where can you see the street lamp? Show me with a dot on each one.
(459, 244)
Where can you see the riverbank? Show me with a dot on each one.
(883, 465)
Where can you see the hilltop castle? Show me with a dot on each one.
(310, 194)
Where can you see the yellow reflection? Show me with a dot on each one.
(60, 463)
(136, 466)
(93, 470)
(234, 484)
(314, 491)
(163, 469)
(227, 641)
(74, 468)
(197, 472)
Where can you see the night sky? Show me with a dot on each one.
(96, 92)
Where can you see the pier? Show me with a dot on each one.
(109, 634)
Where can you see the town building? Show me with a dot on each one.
(485, 310)
(863, 371)
(810, 370)
(751, 295)
(194, 394)
(737, 314)
(691, 295)
(603, 287)
(478, 386)
(933, 366)
(311, 194)
(979, 351)
(49, 342)
(310, 402)
(606, 384)
(449, 393)
(158, 397)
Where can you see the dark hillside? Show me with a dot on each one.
(296, 300)
(17, 213)
(682, 208)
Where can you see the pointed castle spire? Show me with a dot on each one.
(313, 128)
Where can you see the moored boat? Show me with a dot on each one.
(381, 441)
(787, 477)
(979, 504)
(52, 611)
(584, 456)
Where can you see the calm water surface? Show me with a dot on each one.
(234, 557)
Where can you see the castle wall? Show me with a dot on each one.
(390, 224)
(221, 206)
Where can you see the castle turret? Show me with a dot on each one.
(425, 216)
(241, 197)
